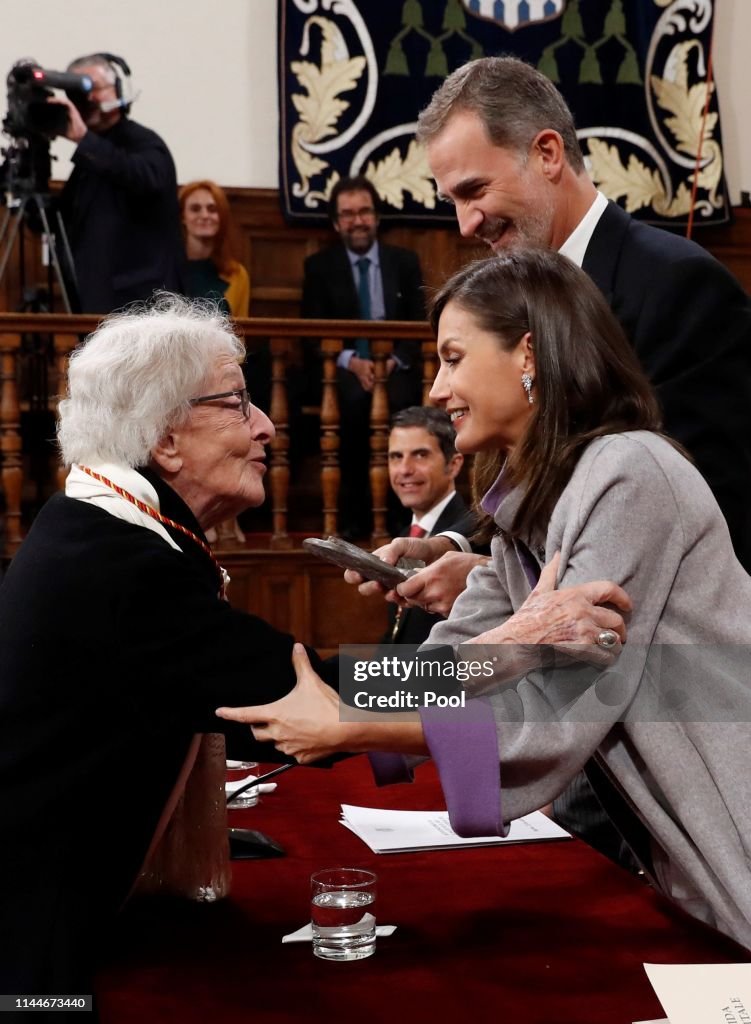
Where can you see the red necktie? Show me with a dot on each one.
(416, 531)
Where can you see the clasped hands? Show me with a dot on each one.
(364, 370)
(306, 723)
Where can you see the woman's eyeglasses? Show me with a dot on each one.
(241, 393)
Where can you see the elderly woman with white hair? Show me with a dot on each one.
(117, 644)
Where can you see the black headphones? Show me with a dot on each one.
(123, 84)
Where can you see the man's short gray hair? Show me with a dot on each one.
(513, 100)
(132, 379)
(94, 60)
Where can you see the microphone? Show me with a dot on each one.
(107, 106)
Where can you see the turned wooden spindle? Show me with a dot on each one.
(63, 345)
(379, 440)
(429, 369)
(330, 471)
(279, 473)
(11, 473)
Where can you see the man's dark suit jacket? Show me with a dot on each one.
(122, 217)
(414, 624)
(329, 291)
(690, 323)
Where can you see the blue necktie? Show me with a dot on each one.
(362, 345)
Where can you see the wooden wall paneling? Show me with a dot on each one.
(731, 245)
(339, 615)
(306, 597)
(273, 586)
(274, 251)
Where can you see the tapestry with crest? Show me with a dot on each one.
(354, 74)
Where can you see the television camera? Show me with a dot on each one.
(32, 122)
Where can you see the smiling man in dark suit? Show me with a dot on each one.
(503, 149)
(423, 466)
(363, 279)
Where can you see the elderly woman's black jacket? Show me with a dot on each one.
(114, 650)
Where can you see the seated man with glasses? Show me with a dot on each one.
(363, 279)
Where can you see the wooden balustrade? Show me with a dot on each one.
(330, 471)
(283, 335)
(11, 472)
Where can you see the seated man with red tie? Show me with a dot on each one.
(423, 466)
(363, 279)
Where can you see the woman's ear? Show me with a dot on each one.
(527, 354)
(166, 455)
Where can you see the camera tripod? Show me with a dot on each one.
(17, 210)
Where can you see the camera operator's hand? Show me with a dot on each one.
(76, 125)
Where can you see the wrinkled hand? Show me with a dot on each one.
(427, 549)
(304, 724)
(76, 126)
(436, 587)
(364, 370)
(570, 619)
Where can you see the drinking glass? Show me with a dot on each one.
(239, 772)
(343, 913)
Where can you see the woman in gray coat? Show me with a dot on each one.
(539, 378)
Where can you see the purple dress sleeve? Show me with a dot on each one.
(464, 745)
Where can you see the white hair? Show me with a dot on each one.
(132, 379)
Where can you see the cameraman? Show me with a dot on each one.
(119, 205)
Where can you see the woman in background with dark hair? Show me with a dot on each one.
(539, 377)
(212, 270)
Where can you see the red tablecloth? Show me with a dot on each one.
(521, 935)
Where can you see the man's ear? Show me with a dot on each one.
(454, 465)
(550, 151)
(166, 454)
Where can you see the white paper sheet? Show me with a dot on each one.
(305, 934)
(387, 831)
(232, 786)
(703, 993)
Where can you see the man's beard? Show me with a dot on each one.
(533, 231)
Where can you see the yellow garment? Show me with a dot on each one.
(237, 294)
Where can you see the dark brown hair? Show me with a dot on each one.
(436, 422)
(357, 184)
(588, 381)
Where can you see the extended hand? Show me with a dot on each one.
(304, 724)
(426, 549)
(436, 587)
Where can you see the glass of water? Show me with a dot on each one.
(238, 773)
(342, 913)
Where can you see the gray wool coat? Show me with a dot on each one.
(670, 723)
